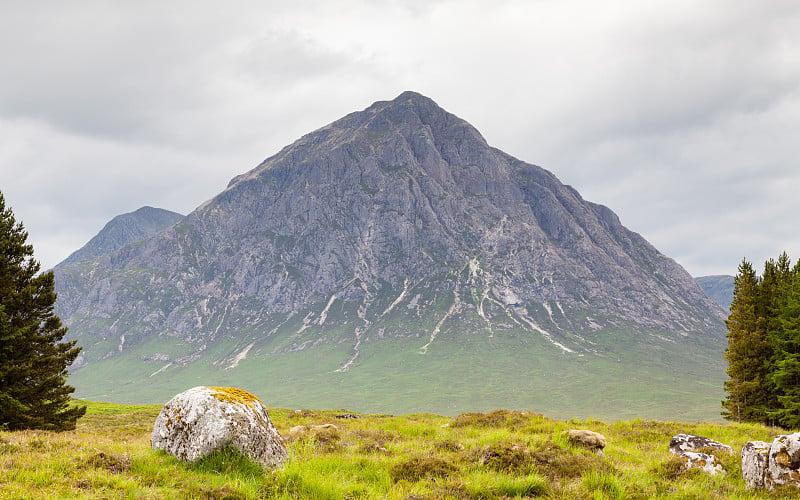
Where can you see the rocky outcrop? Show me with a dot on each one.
(688, 442)
(688, 447)
(197, 422)
(772, 465)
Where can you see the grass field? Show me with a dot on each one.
(500, 454)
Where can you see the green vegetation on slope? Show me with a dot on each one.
(459, 372)
(502, 454)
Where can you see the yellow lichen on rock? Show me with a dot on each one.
(234, 395)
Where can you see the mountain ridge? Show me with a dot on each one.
(124, 229)
(718, 287)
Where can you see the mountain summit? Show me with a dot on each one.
(390, 248)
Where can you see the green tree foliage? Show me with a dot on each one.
(763, 351)
(33, 358)
(747, 348)
(786, 370)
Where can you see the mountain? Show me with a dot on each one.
(124, 229)
(394, 261)
(718, 288)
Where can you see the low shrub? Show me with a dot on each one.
(418, 468)
(674, 468)
(228, 461)
(500, 487)
(503, 457)
(496, 418)
(559, 463)
(449, 445)
(112, 463)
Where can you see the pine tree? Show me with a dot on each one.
(747, 352)
(33, 358)
(786, 361)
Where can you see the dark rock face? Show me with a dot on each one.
(389, 222)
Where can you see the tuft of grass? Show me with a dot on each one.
(604, 485)
(491, 486)
(229, 461)
(561, 463)
(417, 468)
(448, 445)
(117, 464)
(674, 468)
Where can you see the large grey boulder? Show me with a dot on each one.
(197, 422)
(755, 455)
(768, 466)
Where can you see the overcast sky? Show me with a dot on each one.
(681, 116)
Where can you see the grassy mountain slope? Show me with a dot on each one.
(456, 374)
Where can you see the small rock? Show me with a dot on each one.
(755, 455)
(689, 442)
(588, 439)
(299, 431)
(197, 422)
(348, 416)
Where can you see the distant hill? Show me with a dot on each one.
(718, 288)
(394, 261)
(124, 229)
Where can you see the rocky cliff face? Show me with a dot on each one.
(394, 222)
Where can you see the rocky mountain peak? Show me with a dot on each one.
(398, 222)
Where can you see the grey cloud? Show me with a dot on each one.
(284, 57)
(679, 116)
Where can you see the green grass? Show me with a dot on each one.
(498, 455)
(459, 373)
